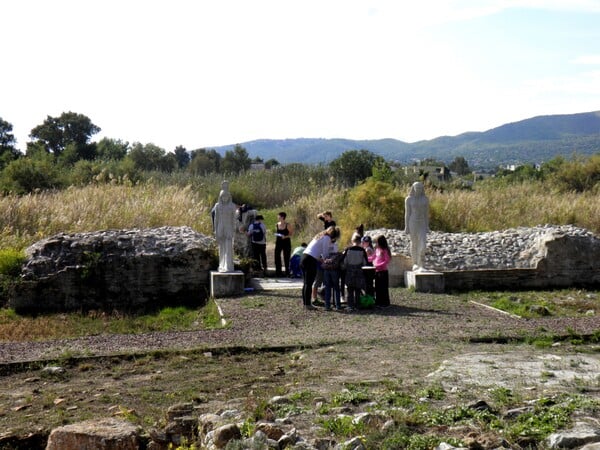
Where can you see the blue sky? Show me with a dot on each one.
(207, 73)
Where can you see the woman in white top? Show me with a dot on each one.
(313, 255)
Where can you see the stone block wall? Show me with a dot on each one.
(128, 270)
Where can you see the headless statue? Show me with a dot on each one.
(416, 209)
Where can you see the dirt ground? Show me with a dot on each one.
(272, 346)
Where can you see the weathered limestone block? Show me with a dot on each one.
(116, 269)
(567, 260)
(102, 434)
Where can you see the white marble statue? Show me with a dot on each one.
(416, 210)
(224, 226)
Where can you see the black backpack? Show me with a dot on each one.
(257, 232)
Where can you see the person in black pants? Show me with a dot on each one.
(283, 244)
(258, 235)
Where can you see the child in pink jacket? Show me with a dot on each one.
(383, 256)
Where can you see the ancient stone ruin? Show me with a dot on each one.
(140, 269)
(547, 256)
(127, 270)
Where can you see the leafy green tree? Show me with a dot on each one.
(204, 162)
(460, 166)
(520, 174)
(70, 128)
(8, 151)
(151, 157)
(431, 162)
(354, 166)
(270, 163)
(182, 156)
(382, 171)
(236, 160)
(111, 149)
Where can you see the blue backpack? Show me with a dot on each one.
(257, 232)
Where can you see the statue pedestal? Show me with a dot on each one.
(425, 281)
(226, 284)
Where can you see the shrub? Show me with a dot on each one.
(26, 175)
(579, 175)
(375, 204)
(10, 262)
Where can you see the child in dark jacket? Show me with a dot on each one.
(355, 258)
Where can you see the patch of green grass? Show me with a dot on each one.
(342, 426)
(397, 399)
(11, 260)
(432, 392)
(350, 396)
(541, 422)
(51, 326)
(210, 315)
(528, 304)
(504, 397)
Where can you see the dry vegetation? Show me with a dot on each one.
(28, 218)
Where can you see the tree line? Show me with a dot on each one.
(61, 153)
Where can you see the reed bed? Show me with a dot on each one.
(528, 204)
(26, 219)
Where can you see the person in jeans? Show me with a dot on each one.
(331, 277)
(312, 257)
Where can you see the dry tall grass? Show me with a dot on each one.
(26, 219)
(489, 208)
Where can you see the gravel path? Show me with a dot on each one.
(276, 319)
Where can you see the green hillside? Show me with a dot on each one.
(531, 140)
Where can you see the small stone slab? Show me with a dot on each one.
(108, 434)
(425, 281)
(226, 284)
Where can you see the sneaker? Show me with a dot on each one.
(318, 303)
(328, 308)
(350, 309)
(310, 308)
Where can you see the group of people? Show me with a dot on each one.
(359, 269)
(284, 231)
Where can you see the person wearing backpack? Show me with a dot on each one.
(258, 236)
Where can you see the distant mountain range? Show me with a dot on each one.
(532, 140)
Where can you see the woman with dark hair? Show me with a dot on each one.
(283, 244)
(314, 254)
(383, 256)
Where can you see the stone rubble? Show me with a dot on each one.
(214, 431)
(507, 249)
